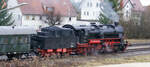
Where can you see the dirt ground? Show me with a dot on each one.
(76, 61)
(133, 41)
(121, 60)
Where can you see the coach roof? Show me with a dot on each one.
(9, 30)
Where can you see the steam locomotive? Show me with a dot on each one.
(61, 41)
(78, 40)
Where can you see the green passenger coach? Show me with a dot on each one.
(15, 40)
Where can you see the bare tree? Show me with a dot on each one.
(146, 15)
(52, 19)
(134, 30)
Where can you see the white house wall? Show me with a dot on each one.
(127, 11)
(16, 13)
(65, 20)
(37, 22)
(76, 1)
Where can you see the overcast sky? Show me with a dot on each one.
(145, 2)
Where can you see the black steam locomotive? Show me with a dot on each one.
(78, 40)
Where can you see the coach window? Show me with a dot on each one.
(1, 40)
(21, 39)
(13, 40)
(5, 41)
(25, 39)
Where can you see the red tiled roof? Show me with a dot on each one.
(137, 6)
(62, 7)
(33, 7)
(124, 3)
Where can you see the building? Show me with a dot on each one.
(126, 9)
(90, 9)
(34, 14)
(131, 9)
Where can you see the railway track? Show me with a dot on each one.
(137, 49)
(139, 44)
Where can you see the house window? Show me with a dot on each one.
(127, 15)
(88, 4)
(27, 17)
(33, 18)
(127, 12)
(40, 17)
(84, 13)
(87, 13)
(97, 5)
(19, 17)
(50, 9)
(69, 18)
